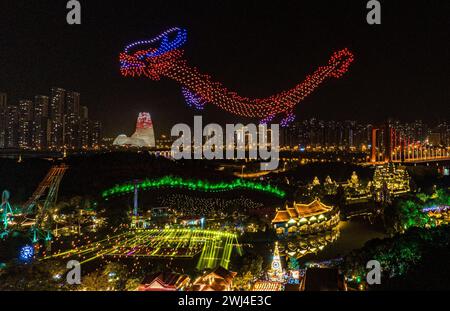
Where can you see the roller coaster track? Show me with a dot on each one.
(46, 194)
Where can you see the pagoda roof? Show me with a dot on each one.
(223, 273)
(292, 212)
(314, 208)
(219, 279)
(281, 216)
(163, 280)
(299, 210)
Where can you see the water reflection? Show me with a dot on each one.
(300, 246)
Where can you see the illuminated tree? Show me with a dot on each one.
(95, 281)
(37, 275)
(411, 215)
(243, 282)
(132, 284)
(293, 263)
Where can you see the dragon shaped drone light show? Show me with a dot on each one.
(162, 56)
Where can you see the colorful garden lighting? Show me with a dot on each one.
(438, 208)
(162, 56)
(195, 185)
(212, 247)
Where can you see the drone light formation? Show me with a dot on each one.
(162, 56)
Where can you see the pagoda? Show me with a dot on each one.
(276, 271)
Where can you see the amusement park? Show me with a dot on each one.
(305, 162)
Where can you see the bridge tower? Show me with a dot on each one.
(387, 135)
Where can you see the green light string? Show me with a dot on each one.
(195, 185)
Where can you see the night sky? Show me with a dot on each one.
(256, 48)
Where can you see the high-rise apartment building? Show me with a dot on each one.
(52, 122)
(72, 120)
(12, 135)
(41, 130)
(25, 123)
(84, 129)
(56, 115)
(96, 135)
(3, 120)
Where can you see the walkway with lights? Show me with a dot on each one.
(213, 247)
(195, 185)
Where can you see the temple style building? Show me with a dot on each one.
(330, 186)
(390, 180)
(164, 281)
(219, 279)
(355, 191)
(308, 243)
(305, 218)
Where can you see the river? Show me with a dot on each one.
(347, 236)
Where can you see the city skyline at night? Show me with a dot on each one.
(262, 57)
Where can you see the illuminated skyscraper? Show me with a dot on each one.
(84, 129)
(12, 135)
(48, 122)
(25, 123)
(56, 114)
(96, 134)
(3, 120)
(84, 112)
(72, 120)
(40, 130)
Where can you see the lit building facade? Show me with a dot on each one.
(305, 218)
(84, 133)
(219, 279)
(96, 136)
(52, 122)
(40, 129)
(144, 136)
(390, 180)
(57, 101)
(164, 281)
(72, 121)
(25, 123)
(355, 191)
(12, 135)
(3, 120)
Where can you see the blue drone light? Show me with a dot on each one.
(26, 253)
(192, 100)
(166, 45)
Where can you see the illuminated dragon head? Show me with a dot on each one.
(155, 56)
(340, 61)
